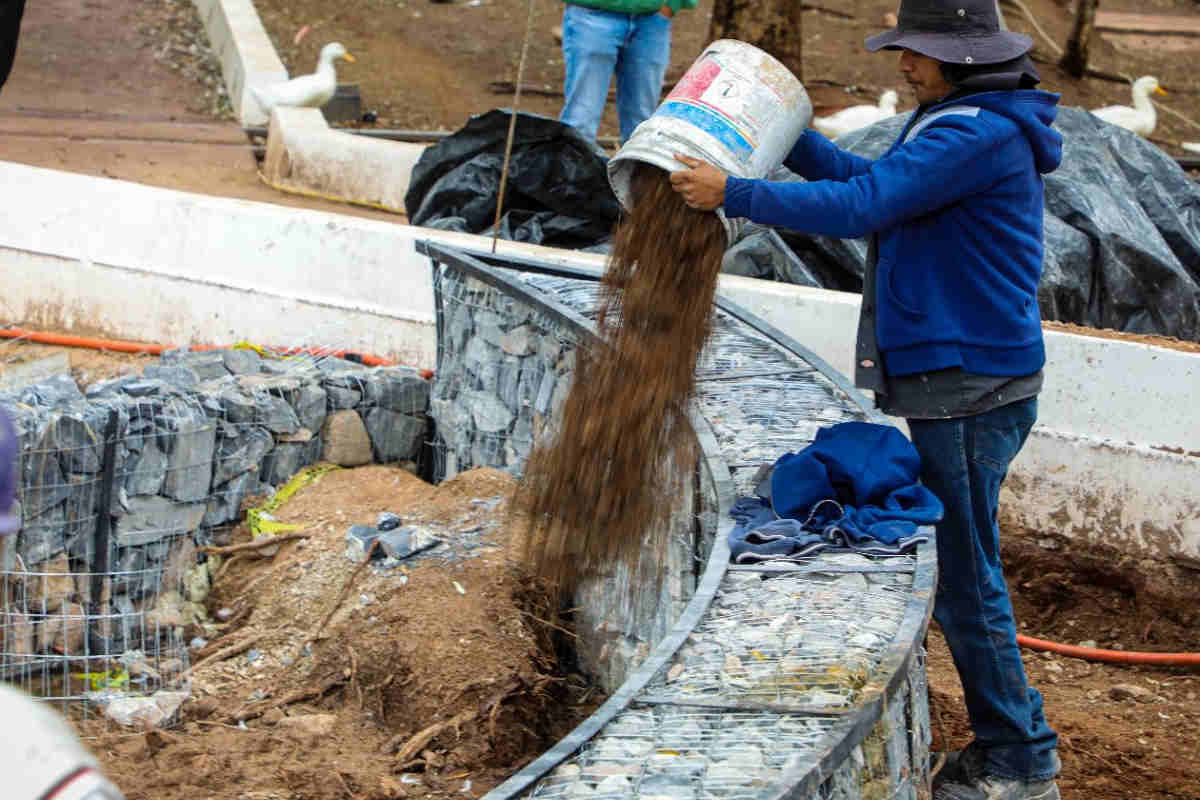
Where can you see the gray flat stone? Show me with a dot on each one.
(145, 469)
(151, 519)
(189, 464)
(402, 543)
(235, 456)
(310, 406)
(224, 504)
(179, 375)
(275, 414)
(489, 412)
(394, 436)
(359, 540)
(398, 389)
(287, 458)
(242, 362)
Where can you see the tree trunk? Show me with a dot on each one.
(1075, 56)
(771, 25)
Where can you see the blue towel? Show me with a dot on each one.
(855, 487)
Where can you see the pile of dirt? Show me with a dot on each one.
(437, 677)
(624, 446)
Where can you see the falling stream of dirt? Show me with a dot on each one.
(624, 445)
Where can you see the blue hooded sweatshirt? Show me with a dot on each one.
(958, 213)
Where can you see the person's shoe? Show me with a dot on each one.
(959, 766)
(989, 787)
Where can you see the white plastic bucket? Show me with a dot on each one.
(736, 108)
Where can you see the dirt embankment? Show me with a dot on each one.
(436, 678)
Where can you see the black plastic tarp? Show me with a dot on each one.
(1122, 230)
(557, 190)
(1122, 223)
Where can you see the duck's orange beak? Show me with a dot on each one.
(350, 58)
(1160, 90)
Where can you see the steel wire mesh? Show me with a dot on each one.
(681, 753)
(807, 641)
(103, 587)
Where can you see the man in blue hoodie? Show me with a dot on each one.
(950, 333)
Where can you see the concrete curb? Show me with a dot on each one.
(245, 51)
(304, 154)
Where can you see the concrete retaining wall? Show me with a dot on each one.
(1115, 456)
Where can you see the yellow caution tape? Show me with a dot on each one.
(262, 351)
(113, 679)
(261, 520)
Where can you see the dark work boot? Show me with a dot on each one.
(989, 787)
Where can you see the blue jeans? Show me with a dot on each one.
(963, 461)
(637, 47)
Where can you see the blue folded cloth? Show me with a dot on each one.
(855, 487)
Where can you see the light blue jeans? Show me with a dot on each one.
(963, 461)
(637, 47)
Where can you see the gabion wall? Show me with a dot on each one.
(786, 679)
(121, 481)
(504, 369)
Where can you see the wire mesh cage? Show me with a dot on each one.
(123, 486)
(504, 368)
(92, 585)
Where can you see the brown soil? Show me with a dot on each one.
(429, 65)
(136, 109)
(1111, 749)
(437, 679)
(140, 105)
(623, 442)
(1114, 749)
(86, 365)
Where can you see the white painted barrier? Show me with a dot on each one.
(247, 57)
(305, 154)
(1115, 457)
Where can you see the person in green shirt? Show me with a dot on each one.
(631, 38)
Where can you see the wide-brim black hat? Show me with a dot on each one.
(953, 31)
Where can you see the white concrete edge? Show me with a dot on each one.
(304, 152)
(1117, 445)
(1140, 500)
(247, 56)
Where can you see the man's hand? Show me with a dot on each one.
(666, 11)
(702, 185)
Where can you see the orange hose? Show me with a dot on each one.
(1112, 656)
(82, 341)
(119, 346)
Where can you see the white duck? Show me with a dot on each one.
(855, 117)
(312, 91)
(1141, 118)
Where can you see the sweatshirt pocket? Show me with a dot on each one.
(898, 291)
